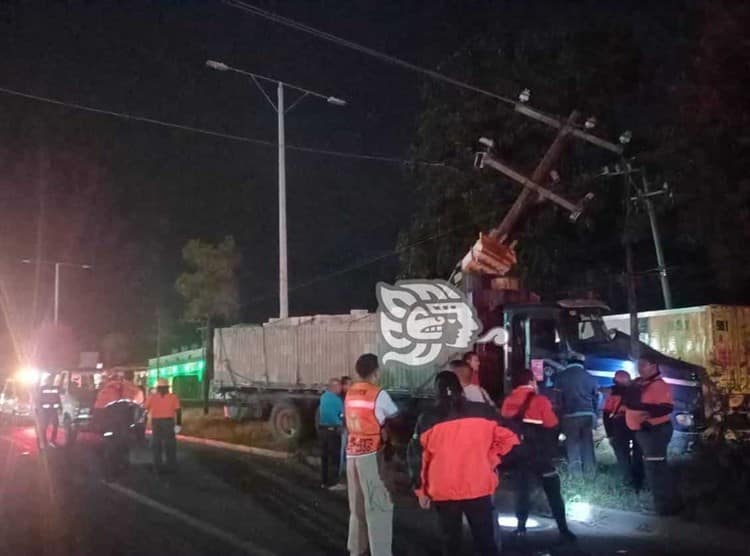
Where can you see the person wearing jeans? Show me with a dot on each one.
(579, 395)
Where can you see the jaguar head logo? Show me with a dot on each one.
(420, 320)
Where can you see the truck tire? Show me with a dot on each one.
(286, 421)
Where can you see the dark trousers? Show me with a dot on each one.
(579, 443)
(653, 443)
(550, 480)
(48, 417)
(330, 454)
(628, 453)
(163, 441)
(480, 515)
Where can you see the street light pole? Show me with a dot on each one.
(57, 292)
(283, 269)
(281, 109)
(58, 265)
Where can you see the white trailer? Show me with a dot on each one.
(278, 370)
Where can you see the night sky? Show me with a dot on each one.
(125, 196)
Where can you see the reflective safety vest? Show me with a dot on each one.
(361, 422)
(653, 391)
(117, 390)
(49, 397)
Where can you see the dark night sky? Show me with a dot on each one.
(160, 187)
(126, 195)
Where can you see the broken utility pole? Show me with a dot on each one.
(495, 254)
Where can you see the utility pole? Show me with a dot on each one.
(635, 346)
(495, 255)
(644, 195)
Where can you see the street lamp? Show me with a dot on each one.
(280, 111)
(57, 265)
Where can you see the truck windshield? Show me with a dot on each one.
(585, 325)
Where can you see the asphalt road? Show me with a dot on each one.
(55, 503)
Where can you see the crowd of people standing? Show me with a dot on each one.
(463, 444)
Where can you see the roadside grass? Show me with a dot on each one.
(605, 489)
(217, 427)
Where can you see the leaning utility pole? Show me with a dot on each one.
(494, 254)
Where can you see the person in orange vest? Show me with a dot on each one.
(366, 409)
(471, 358)
(116, 399)
(452, 457)
(537, 425)
(648, 405)
(166, 421)
(621, 438)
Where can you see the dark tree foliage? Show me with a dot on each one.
(672, 77)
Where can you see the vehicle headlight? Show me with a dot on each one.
(684, 420)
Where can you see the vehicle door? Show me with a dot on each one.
(6, 397)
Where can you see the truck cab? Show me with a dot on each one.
(541, 334)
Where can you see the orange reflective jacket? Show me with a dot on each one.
(361, 422)
(116, 390)
(162, 406)
(654, 391)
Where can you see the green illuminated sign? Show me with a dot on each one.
(193, 368)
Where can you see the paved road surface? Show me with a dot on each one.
(55, 503)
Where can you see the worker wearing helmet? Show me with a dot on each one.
(166, 421)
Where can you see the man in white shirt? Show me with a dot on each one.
(472, 392)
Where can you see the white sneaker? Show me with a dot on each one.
(337, 487)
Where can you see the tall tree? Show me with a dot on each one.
(636, 72)
(210, 286)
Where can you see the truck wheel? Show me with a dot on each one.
(286, 421)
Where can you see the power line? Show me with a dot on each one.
(367, 261)
(232, 137)
(254, 10)
(551, 119)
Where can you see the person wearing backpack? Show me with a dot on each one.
(531, 414)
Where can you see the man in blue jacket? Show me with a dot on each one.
(579, 395)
